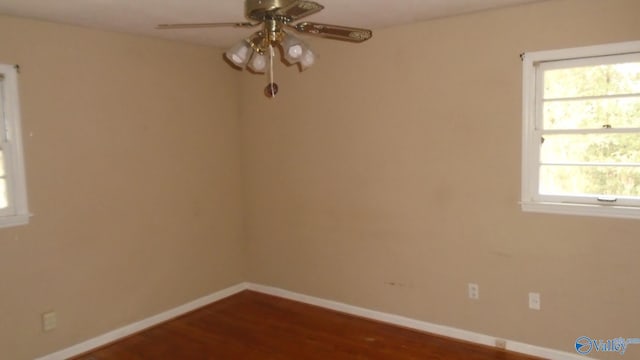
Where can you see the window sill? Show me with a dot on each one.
(14, 220)
(611, 211)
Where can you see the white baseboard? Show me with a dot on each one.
(143, 324)
(442, 330)
(419, 325)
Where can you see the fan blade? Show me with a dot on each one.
(334, 31)
(205, 25)
(299, 9)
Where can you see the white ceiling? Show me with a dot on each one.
(141, 16)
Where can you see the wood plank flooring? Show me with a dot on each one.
(251, 325)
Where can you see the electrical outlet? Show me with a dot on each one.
(474, 291)
(49, 321)
(534, 301)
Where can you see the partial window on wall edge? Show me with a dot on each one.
(13, 192)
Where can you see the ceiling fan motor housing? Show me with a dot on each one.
(260, 10)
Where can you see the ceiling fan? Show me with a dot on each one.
(257, 51)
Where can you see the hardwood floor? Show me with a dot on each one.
(251, 325)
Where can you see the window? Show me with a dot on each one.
(581, 131)
(13, 196)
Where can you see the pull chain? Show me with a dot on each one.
(272, 88)
(271, 55)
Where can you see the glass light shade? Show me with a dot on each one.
(258, 62)
(308, 59)
(240, 53)
(293, 49)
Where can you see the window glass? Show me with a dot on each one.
(592, 114)
(612, 79)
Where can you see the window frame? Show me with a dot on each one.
(534, 64)
(16, 213)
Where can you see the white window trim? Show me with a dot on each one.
(530, 198)
(17, 212)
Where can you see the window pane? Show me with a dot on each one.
(597, 80)
(591, 148)
(590, 180)
(4, 202)
(592, 114)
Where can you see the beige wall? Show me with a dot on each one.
(133, 177)
(388, 176)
